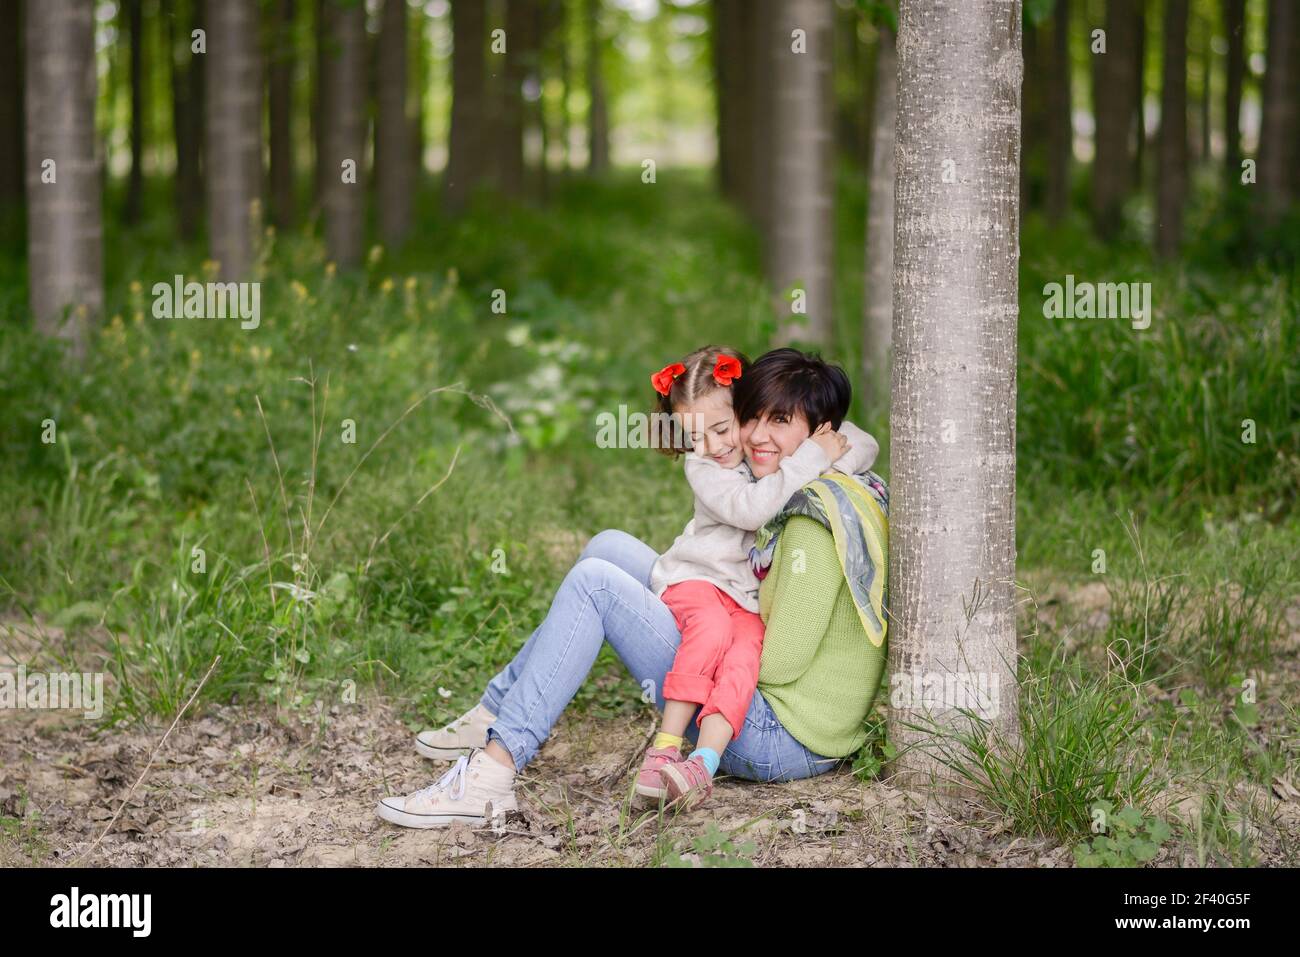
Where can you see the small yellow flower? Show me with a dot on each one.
(410, 284)
(195, 356)
(299, 290)
(386, 286)
(330, 270)
(135, 287)
(376, 254)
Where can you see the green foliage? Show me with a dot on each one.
(1080, 742)
(714, 848)
(1127, 838)
(876, 752)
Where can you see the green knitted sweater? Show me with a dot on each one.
(819, 672)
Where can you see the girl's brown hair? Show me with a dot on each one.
(697, 381)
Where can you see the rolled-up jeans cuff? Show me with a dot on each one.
(493, 707)
(508, 742)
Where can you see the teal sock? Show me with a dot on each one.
(710, 758)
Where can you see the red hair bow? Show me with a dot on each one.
(726, 369)
(663, 379)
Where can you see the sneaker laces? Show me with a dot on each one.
(453, 781)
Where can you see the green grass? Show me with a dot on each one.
(329, 566)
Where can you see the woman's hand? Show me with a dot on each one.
(830, 441)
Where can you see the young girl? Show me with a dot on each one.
(705, 578)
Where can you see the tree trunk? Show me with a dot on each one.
(510, 106)
(392, 129)
(419, 82)
(723, 38)
(344, 120)
(64, 219)
(280, 57)
(543, 19)
(234, 134)
(1277, 134)
(1060, 128)
(135, 178)
(800, 262)
(466, 159)
(953, 417)
(598, 114)
(1140, 93)
(1113, 80)
(566, 82)
(1172, 180)
(878, 296)
(183, 17)
(760, 25)
(1234, 26)
(1207, 74)
(11, 105)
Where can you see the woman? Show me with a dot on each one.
(819, 671)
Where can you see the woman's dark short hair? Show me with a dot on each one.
(786, 381)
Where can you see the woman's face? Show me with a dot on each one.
(770, 438)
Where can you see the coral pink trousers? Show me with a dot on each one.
(717, 662)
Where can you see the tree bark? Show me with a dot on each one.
(280, 57)
(800, 265)
(759, 26)
(416, 88)
(1234, 26)
(135, 178)
(392, 129)
(1060, 127)
(566, 83)
(878, 296)
(64, 218)
(466, 162)
(318, 106)
(11, 104)
(1172, 181)
(510, 110)
(234, 134)
(953, 416)
(1277, 135)
(1207, 74)
(598, 113)
(183, 17)
(1113, 79)
(1140, 92)
(344, 120)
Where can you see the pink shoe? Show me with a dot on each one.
(687, 782)
(648, 782)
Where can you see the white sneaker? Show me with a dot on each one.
(475, 790)
(459, 738)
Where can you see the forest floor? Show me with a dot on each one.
(240, 785)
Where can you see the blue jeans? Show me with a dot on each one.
(606, 596)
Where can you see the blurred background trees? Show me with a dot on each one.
(424, 105)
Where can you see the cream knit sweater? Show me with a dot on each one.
(730, 506)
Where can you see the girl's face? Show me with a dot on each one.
(711, 426)
(770, 438)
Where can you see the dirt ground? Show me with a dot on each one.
(242, 786)
(237, 789)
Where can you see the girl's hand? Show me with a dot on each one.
(830, 441)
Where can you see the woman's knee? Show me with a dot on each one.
(589, 574)
(605, 544)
